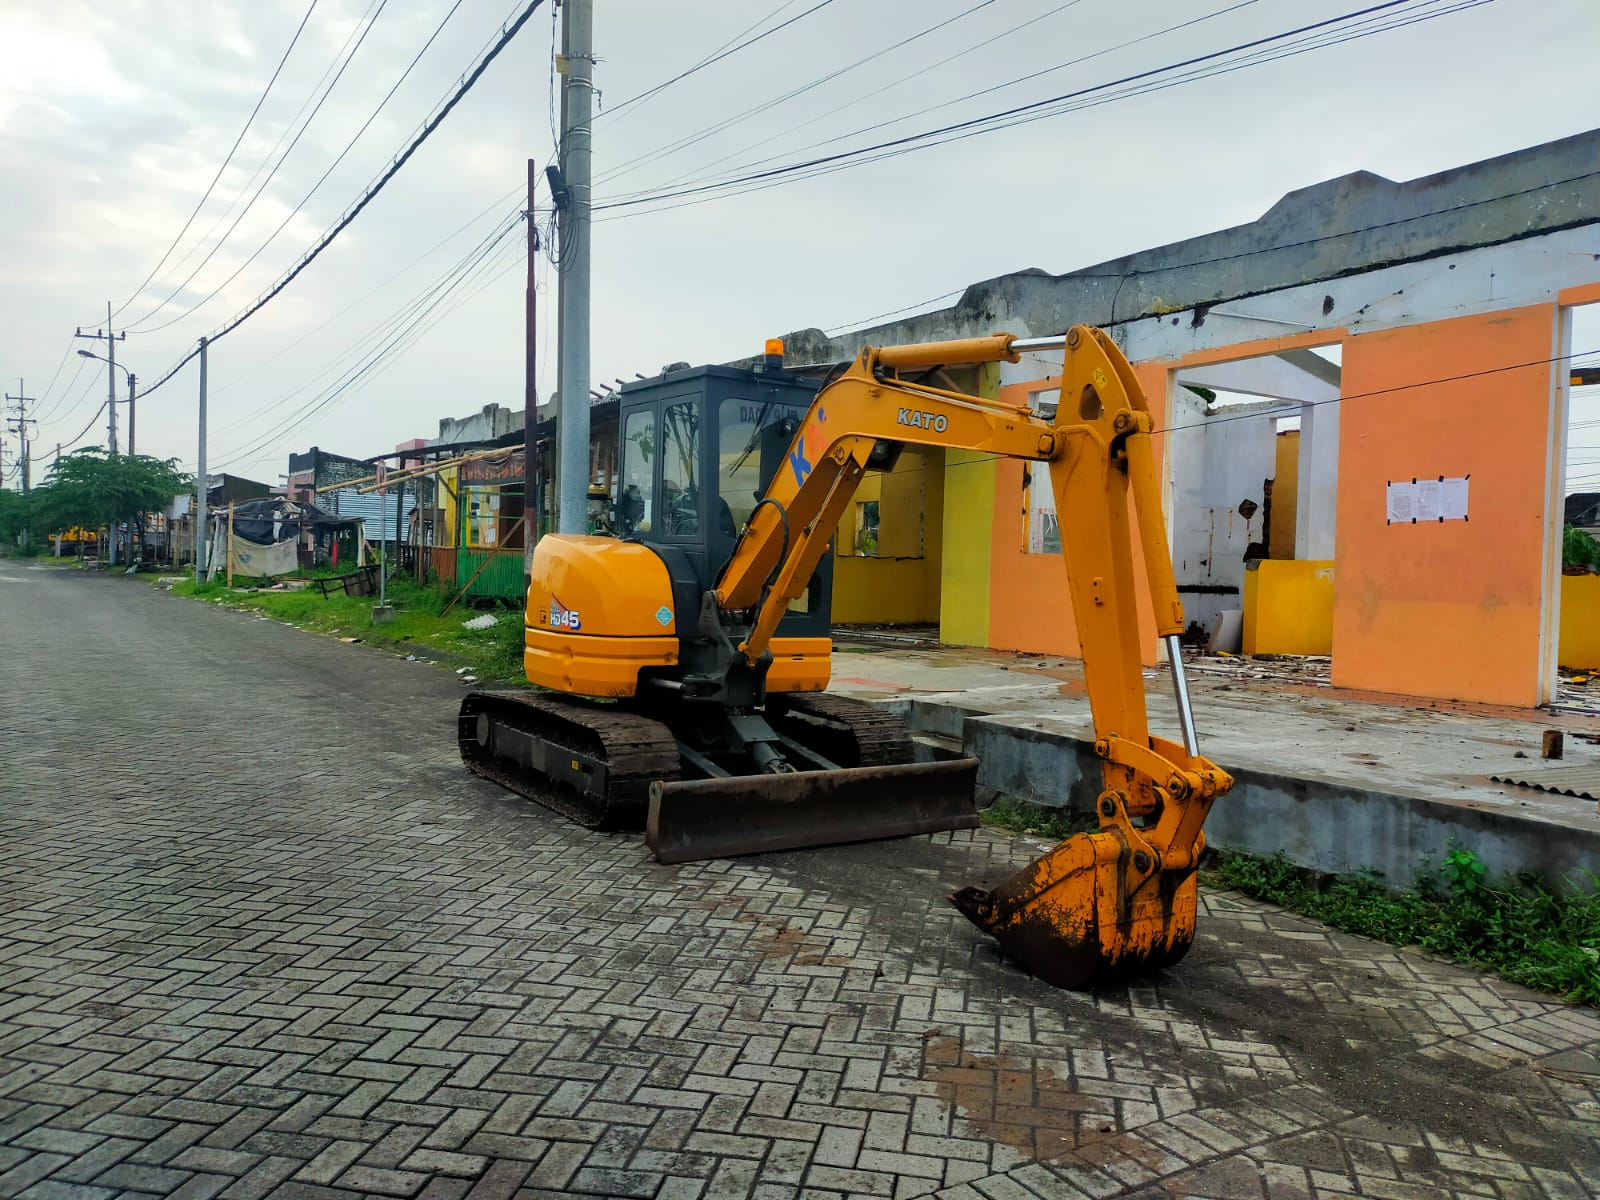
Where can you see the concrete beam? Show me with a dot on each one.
(1347, 226)
(1275, 376)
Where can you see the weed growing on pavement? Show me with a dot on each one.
(494, 654)
(1018, 816)
(1527, 931)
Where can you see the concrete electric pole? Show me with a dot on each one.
(577, 141)
(201, 534)
(111, 340)
(19, 426)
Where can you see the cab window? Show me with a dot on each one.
(753, 437)
(636, 488)
(680, 464)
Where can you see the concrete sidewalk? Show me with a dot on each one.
(1338, 780)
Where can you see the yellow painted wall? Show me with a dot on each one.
(1285, 495)
(969, 482)
(449, 491)
(900, 584)
(1580, 622)
(1288, 607)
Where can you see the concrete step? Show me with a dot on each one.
(936, 747)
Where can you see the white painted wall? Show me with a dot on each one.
(1217, 462)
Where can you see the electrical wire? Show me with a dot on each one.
(330, 394)
(876, 56)
(65, 355)
(1007, 118)
(328, 238)
(61, 407)
(716, 57)
(381, 329)
(306, 199)
(1062, 66)
(378, 12)
(270, 156)
(322, 325)
(55, 417)
(65, 446)
(232, 150)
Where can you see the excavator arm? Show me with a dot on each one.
(1100, 904)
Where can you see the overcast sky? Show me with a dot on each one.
(114, 119)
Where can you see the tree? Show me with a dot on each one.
(14, 510)
(92, 488)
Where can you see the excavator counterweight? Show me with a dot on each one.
(693, 649)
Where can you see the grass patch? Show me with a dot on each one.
(1018, 816)
(495, 655)
(1520, 928)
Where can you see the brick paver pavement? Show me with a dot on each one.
(261, 936)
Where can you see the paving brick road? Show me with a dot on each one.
(261, 936)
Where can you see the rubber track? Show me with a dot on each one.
(882, 739)
(635, 749)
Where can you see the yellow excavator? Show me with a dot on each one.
(684, 660)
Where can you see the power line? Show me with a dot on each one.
(718, 56)
(56, 374)
(1004, 118)
(324, 399)
(304, 200)
(711, 130)
(68, 445)
(61, 407)
(1079, 61)
(327, 239)
(269, 159)
(466, 263)
(256, 195)
(231, 151)
(878, 91)
(323, 325)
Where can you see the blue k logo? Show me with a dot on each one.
(799, 465)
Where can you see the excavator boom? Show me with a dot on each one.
(1100, 904)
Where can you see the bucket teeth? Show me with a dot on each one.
(1072, 918)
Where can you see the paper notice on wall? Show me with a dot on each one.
(1425, 500)
(1416, 501)
(1399, 502)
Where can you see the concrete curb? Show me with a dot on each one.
(1321, 824)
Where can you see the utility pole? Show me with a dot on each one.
(19, 426)
(577, 142)
(110, 339)
(530, 395)
(133, 387)
(200, 478)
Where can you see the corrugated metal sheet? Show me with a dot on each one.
(1582, 781)
(377, 511)
(502, 577)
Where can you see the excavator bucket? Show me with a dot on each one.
(755, 814)
(1088, 913)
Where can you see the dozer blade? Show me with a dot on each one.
(754, 814)
(1088, 913)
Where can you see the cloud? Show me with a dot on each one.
(113, 121)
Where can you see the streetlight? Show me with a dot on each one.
(133, 381)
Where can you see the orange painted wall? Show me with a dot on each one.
(1029, 607)
(1448, 609)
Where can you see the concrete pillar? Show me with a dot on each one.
(1316, 503)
